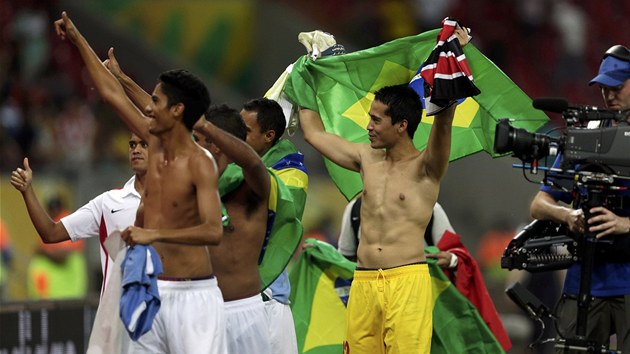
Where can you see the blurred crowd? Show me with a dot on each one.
(47, 111)
(548, 47)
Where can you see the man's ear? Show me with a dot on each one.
(270, 135)
(402, 125)
(178, 109)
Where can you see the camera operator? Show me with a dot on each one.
(609, 310)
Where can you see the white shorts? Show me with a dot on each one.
(191, 320)
(281, 328)
(247, 326)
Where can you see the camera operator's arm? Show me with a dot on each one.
(545, 207)
(605, 222)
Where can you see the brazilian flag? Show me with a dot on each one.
(321, 281)
(341, 88)
(288, 164)
(284, 228)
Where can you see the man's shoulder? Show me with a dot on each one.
(202, 154)
(200, 158)
(117, 197)
(370, 154)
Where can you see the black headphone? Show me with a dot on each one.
(618, 51)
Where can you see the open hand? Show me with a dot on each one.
(21, 179)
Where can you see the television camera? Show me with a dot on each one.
(595, 156)
(605, 146)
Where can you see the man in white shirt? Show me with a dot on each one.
(110, 211)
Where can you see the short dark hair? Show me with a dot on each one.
(269, 115)
(403, 103)
(180, 86)
(228, 119)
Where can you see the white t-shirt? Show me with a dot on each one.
(348, 242)
(110, 211)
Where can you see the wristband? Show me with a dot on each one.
(453, 262)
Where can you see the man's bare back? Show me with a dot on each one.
(236, 257)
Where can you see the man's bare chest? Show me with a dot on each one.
(168, 189)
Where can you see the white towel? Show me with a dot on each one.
(108, 332)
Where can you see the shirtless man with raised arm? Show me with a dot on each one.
(235, 259)
(390, 306)
(240, 278)
(180, 211)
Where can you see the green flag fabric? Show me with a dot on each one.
(341, 88)
(288, 164)
(284, 228)
(321, 280)
(320, 284)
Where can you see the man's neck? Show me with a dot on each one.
(175, 140)
(401, 151)
(264, 151)
(138, 184)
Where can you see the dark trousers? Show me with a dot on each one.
(606, 316)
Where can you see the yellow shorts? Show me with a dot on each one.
(390, 311)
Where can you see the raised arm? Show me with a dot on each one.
(106, 84)
(438, 149)
(49, 231)
(439, 144)
(138, 96)
(237, 150)
(335, 148)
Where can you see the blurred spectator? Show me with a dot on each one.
(324, 230)
(570, 22)
(74, 129)
(431, 12)
(6, 255)
(14, 124)
(58, 270)
(397, 19)
(30, 30)
(490, 249)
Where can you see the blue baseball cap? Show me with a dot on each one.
(612, 72)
